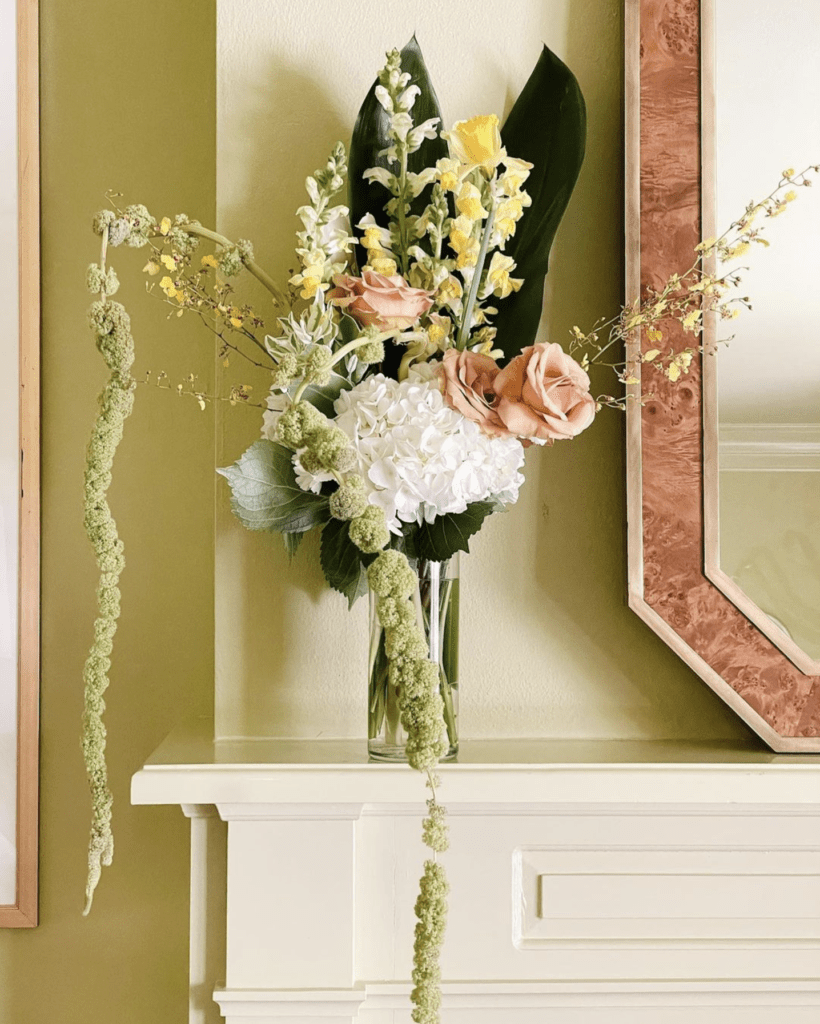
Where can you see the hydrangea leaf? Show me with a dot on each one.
(370, 137)
(439, 540)
(292, 542)
(342, 562)
(324, 395)
(547, 127)
(265, 494)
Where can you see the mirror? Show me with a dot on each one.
(765, 552)
(723, 483)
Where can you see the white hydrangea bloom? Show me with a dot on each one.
(419, 457)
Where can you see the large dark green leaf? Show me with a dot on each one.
(370, 137)
(439, 540)
(265, 494)
(342, 561)
(546, 126)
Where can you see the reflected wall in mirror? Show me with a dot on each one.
(763, 507)
(723, 557)
(19, 464)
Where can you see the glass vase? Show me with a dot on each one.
(436, 601)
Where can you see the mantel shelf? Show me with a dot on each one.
(190, 767)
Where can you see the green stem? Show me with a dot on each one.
(464, 329)
(345, 350)
(400, 209)
(253, 267)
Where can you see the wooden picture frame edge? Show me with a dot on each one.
(24, 912)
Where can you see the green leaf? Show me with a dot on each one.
(349, 330)
(342, 562)
(265, 494)
(547, 126)
(323, 396)
(439, 540)
(370, 137)
(292, 542)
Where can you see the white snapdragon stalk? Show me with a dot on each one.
(325, 241)
(397, 96)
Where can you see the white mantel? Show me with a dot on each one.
(592, 883)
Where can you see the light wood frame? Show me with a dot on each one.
(668, 123)
(23, 913)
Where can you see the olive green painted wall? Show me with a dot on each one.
(128, 101)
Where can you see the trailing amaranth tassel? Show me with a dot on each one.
(112, 328)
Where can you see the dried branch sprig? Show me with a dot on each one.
(239, 394)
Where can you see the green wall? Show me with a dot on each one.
(128, 102)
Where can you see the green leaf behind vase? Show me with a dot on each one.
(266, 496)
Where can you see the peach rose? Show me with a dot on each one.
(544, 394)
(467, 383)
(374, 300)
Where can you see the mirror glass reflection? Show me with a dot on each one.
(767, 85)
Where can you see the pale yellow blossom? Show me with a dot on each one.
(468, 202)
(498, 276)
(476, 142)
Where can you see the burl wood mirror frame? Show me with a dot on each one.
(23, 912)
(669, 139)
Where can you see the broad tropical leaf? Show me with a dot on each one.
(342, 561)
(547, 126)
(370, 137)
(439, 540)
(265, 494)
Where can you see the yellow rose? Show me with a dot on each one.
(476, 142)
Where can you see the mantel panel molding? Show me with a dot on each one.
(681, 882)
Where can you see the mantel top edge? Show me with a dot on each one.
(191, 745)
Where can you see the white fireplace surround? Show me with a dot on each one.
(592, 883)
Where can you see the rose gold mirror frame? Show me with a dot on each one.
(23, 913)
(668, 584)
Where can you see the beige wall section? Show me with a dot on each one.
(128, 102)
(549, 646)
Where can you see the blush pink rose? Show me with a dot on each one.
(544, 394)
(466, 380)
(374, 300)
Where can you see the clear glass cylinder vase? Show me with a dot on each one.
(436, 601)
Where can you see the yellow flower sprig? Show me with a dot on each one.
(687, 298)
(239, 394)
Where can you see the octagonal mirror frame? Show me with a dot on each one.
(670, 447)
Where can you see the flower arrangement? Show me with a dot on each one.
(405, 379)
